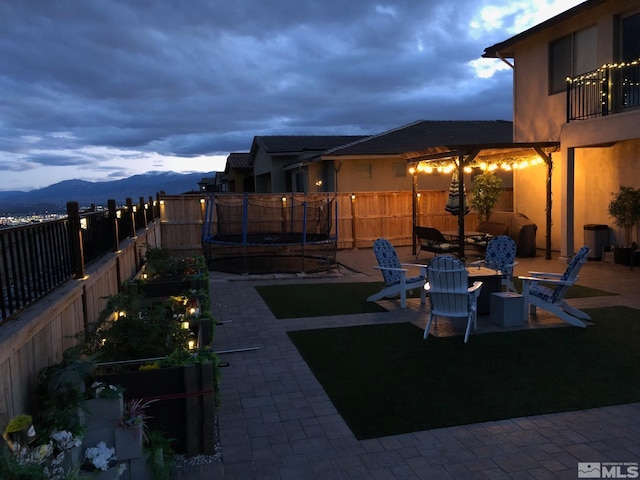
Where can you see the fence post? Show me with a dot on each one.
(132, 216)
(113, 218)
(143, 213)
(75, 240)
(151, 211)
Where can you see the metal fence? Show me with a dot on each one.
(38, 257)
(607, 90)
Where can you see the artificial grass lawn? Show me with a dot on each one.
(386, 380)
(322, 299)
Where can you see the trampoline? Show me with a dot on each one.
(243, 230)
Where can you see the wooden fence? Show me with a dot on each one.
(362, 217)
(38, 335)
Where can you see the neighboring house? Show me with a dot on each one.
(382, 162)
(209, 184)
(238, 173)
(596, 118)
(275, 161)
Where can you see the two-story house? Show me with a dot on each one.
(577, 81)
(275, 160)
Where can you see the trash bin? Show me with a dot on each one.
(596, 237)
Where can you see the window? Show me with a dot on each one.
(364, 170)
(399, 169)
(630, 40)
(301, 182)
(570, 56)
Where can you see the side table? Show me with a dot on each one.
(507, 309)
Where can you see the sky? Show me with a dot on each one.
(103, 90)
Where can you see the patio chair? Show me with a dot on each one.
(552, 299)
(432, 240)
(450, 293)
(394, 274)
(500, 255)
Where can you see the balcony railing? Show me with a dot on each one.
(607, 90)
(38, 257)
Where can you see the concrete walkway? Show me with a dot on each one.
(276, 422)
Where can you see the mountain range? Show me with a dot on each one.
(54, 198)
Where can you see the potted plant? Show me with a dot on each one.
(19, 432)
(486, 192)
(101, 458)
(132, 428)
(28, 464)
(624, 207)
(67, 449)
(160, 455)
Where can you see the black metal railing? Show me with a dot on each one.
(38, 257)
(607, 90)
(35, 260)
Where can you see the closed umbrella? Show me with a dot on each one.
(453, 202)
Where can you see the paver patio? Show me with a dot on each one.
(276, 422)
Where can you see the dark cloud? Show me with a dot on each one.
(203, 77)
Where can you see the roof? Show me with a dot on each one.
(296, 144)
(239, 161)
(424, 135)
(505, 49)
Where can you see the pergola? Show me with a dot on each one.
(488, 157)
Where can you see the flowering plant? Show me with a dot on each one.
(101, 457)
(64, 440)
(103, 390)
(36, 455)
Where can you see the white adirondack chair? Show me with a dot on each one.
(552, 298)
(449, 292)
(394, 274)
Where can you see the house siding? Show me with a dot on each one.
(590, 165)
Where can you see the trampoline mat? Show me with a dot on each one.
(267, 264)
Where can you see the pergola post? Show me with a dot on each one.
(461, 213)
(549, 163)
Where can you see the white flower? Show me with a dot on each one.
(101, 456)
(102, 390)
(64, 440)
(36, 455)
(97, 388)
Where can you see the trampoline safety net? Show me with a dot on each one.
(260, 223)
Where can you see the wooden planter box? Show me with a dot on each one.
(185, 408)
(170, 286)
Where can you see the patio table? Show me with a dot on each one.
(491, 283)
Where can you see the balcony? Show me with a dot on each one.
(612, 89)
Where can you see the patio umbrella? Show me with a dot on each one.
(454, 202)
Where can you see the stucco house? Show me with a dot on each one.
(594, 115)
(275, 158)
(238, 173)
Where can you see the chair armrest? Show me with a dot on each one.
(545, 274)
(392, 269)
(552, 281)
(475, 288)
(416, 265)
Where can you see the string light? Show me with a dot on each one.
(486, 165)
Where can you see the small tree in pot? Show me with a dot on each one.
(487, 189)
(624, 207)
